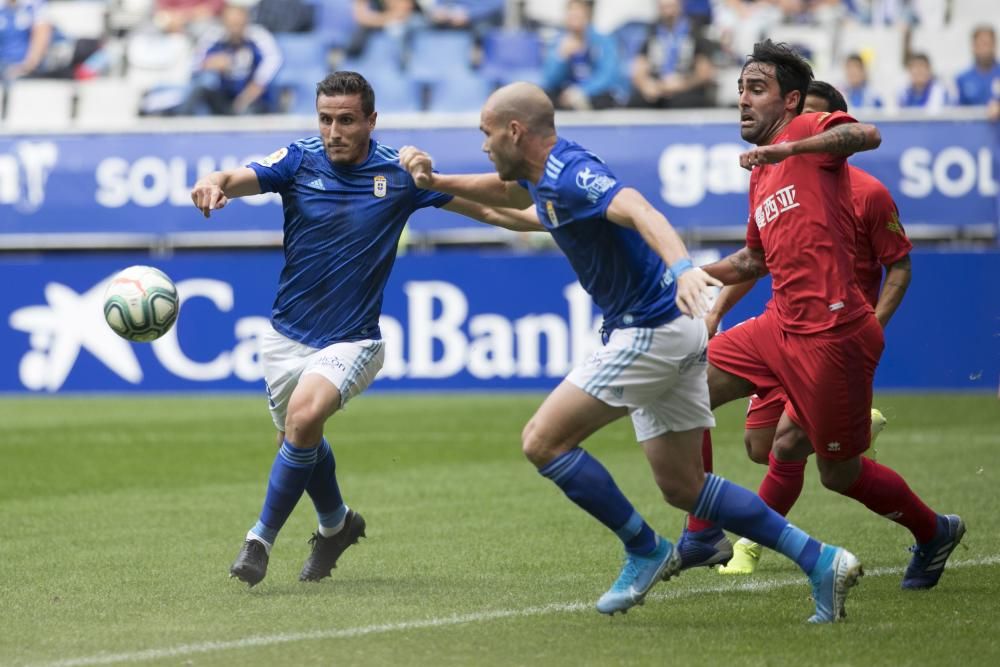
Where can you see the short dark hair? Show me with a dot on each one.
(348, 83)
(790, 69)
(918, 56)
(984, 27)
(855, 58)
(834, 100)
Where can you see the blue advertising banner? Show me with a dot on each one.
(485, 321)
(940, 172)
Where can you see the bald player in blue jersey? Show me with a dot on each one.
(345, 200)
(653, 364)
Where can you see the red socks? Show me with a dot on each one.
(782, 484)
(884, 492)
(694, 524)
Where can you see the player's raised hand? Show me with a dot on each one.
(419, 164)
(693, 291)
(769, 154)
(208, 196)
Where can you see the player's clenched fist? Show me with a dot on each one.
(769, 154)
(208, 196)
(693, 291)
(419, 164)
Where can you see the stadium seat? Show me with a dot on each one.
(300, 51)
(79, 18)
(814, 43)
(631, 37)
(301, 90)
(549, 13)
(382, 51)
(511, 55)
(104, 103)
(335, 22)
(394, 92)
(158, 59)
(882, 49)
(611, 15)
(39, 104)
(440, 54)
(457, 94)
(948, 47)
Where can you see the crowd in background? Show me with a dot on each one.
(191, 57)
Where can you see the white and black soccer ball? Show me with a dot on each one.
(141, 303)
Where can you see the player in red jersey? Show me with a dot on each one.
(818, 339)
(881, 242)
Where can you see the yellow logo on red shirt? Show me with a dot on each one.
(894, 226)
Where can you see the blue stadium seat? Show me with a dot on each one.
(382, 51)
(394, 92)
(439, 55)
(302, 90)
(630, 38)
(461, 93)
(335, 22)
(301, 50)
(511, 55)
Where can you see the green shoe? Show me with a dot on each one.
(746, 555)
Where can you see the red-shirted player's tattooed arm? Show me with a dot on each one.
(743, 265)
(845, 139)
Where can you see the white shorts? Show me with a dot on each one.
(659, 374)
(350, 367)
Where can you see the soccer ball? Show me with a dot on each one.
(141, 303)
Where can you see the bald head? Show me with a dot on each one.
(523, 102)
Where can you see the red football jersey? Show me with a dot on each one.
(802, 215)
(881, 238)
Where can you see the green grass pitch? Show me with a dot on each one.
(120, 517)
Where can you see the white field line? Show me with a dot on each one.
(753, 585)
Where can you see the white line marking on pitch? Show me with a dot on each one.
(458, 619)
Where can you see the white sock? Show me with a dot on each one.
(254, 536)
(333, 530)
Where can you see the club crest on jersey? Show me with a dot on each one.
(274, 158)
(380, 186)
(550, 210)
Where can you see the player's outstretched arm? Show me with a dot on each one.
(509, 218)
(846, 139)
(630, 209)
(897, 280)
(743, 265)
(728, 297)
(213, 191)
(486, 189)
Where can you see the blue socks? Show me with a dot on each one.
(739, 511)
(289, 475)
(588, 484)
(324, 490)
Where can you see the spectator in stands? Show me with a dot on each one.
(975, 85)
(235, 66)
(477, 16)
(25, 36)
(287, 15)
(924, 90)
(191, 16)
(699, 15)
(396, 17)
(857, 90)
(674, 67)
(581, 69)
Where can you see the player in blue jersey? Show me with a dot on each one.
(345, 200)
(653, 365)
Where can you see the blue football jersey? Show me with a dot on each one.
(626, 279)
(342, 227)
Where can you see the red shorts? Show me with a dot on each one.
(765, 412)
(826, 376)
